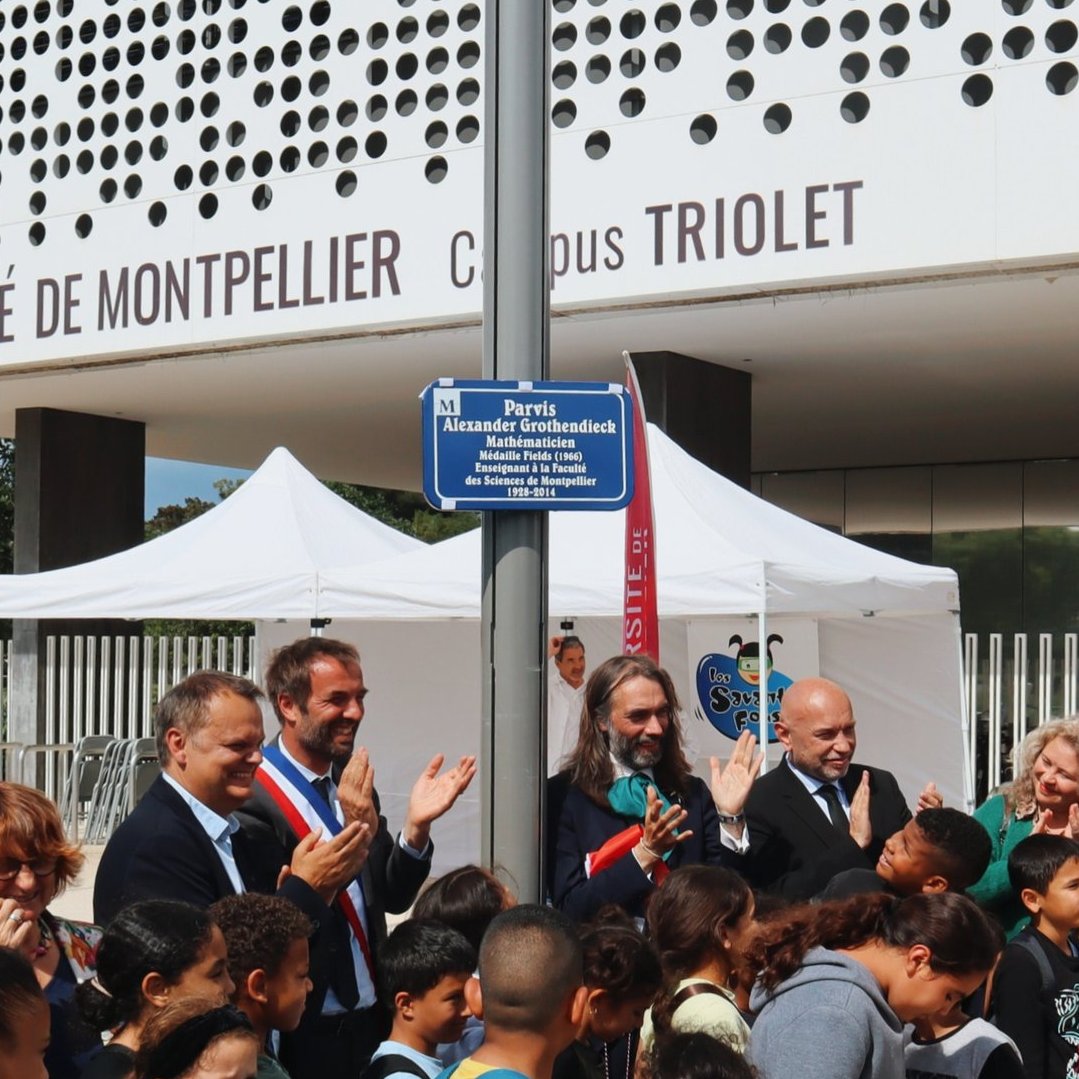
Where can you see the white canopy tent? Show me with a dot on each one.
(257, 555)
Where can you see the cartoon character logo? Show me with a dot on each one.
(728, 687)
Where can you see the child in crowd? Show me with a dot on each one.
(697, 1056)
(195, 1039)
(151, 954)
(951, 1045)
(1036, 990)
(622, 974)
(530, 993)
(939, 850)
(24, 1019)
(699, 921)
(423, 968)
(269, 960)
(837, 981)
(465, 899)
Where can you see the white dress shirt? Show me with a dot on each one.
(219, 829)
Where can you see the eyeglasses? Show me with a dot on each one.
(40, 867)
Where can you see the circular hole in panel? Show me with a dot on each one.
(38, 168)
(468, 54)
(436, 134)
(185, 109)
(38, 138)
(435, 170)
(1058, 3)
(210, 137)
(318, 118)
(668, 56)
(703, 12)
(375, 144)
(133, 186)
(854, 25)
(320, 12)
(345, 183)
(854, 108)
(564, 112)
(740, 44)
(739, 85)
(632, 24)
(132, 121)
(1016, 7)
(597, 145)
(777, 118)
(160, 47)
(186, 42)
(468, 18)
(208, 173)
(632, 102)
(62, 133)
(854, 67)
(318, 83)
(668, 18)
(376, 107)
(564, 74)
(437, 97)
(237, 31)
(63, 69)
(1061, 36)
(210, 104)
(41, 42)
(235, 133)
(291, 18)
(109, 156)
(291, 88)
(739, 9)
(815, 32)
(976, 49)
(437, 61)
(377, 70)
(208, 205)
(894, 61)
(264, 59)
(110, 91)
(597, 69)
(136, 51)
(564, 36)
(136, 20)
(261, 163)
(346, 149)
(632, 63)
(185, 75)
(87, 63)
(1017, 43)
(157, 214)
(935, 13)
(894, 18)
(161, 14)
(263, 94)
(407, 65)
(290, 123)
(377, 35)
(182, 178)
(468, 91)
(85, 97)
(468, 127)
(84, 163)
(261, 197)
(108, 189)
(438, 22)
(37, 233)
(291, 53)
(406, 102)
(85, 129)
(39, 106)
(42, 10)
(777, 38)
(347, 113)
(348, 42)
(159, 147)
(977, 90)
(88, 30)
(407, 29)
(1062, 77)
(135, 86)
(702, 129)
(211, 69)
(318, 155)
(598, 30)
(562, 6)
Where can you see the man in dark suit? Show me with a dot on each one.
(627, 809)
(817, 814)
(310, 779)
(182, 840)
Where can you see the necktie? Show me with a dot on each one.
(322, 785)
(835, 808)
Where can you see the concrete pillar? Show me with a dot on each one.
(79, 495)
(703, 407)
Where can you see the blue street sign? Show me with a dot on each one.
(490, 445)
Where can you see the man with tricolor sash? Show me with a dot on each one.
(632, 810)
(311, 781)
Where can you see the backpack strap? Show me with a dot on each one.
(1045, 971)
(692, 990)
(391, 1064)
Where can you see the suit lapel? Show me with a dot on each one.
(802, 804)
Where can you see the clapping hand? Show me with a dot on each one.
(731, 785)
(432, 795)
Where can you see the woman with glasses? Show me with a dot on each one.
(36, 864)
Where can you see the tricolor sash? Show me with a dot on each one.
(306, 810)
(617, 847)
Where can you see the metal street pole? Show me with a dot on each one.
(516, 318)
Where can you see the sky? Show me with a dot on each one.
(170, 482)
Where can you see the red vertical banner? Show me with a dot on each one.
(640, 620)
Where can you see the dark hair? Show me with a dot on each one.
(184, 707)
(258, 931)
(1036, 860)
(697, 1056)
(529, 962)
(589, 765)
(175, 1037)
(467, 899)
(158, 935)
(289, 671)
(960, 937)
(569, 641)
(963, 846)
(618, 958)
(418, 954)
(19, 993)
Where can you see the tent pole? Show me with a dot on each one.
(762, 698)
